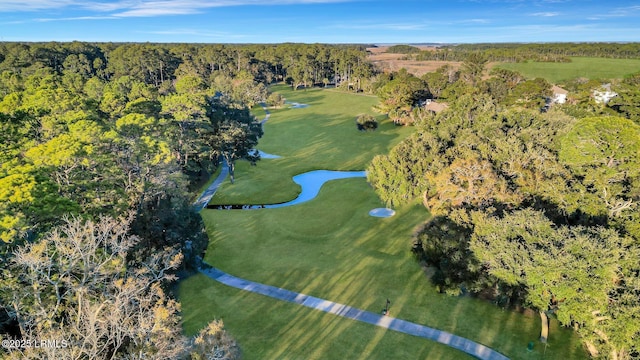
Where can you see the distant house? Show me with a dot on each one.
(604, 94)
(435, 107)
(559, 95)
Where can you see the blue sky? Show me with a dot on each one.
(326, 21)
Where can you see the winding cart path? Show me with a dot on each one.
(208, 193)
(468, 346)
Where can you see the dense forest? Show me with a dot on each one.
(105, 145)
(103, 148)
(530, 204)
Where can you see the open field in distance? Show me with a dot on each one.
(592, 68)
(585, 67)
(394, 62)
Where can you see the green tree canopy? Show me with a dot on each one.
(566, 270)
(604, 152)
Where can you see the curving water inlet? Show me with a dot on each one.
(312, 181)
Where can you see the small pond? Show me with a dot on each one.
(310, 182)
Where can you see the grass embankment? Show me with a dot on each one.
(331, 248)
(579, 67)
(258, 112)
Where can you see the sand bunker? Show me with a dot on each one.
(382, 212)
(295, 105)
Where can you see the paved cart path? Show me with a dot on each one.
(470, 347)
(208, 193)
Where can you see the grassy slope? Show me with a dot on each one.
(592, 68)
(332, 249)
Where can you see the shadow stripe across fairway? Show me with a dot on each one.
(470, 347)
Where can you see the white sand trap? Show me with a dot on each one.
(382, 212)
(264, 155)
(295, 105)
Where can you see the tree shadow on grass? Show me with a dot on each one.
(270, 329)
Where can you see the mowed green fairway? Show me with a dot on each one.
(591, 68)
(331, 248)
(321, 136)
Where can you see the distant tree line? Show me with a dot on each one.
(403, 49)
(158, 64)
(543, 52)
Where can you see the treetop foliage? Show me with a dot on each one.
(98, 131)
(526, 205)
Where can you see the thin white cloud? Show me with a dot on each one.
(626, 11)
(546, 29)
(144, 8)
(76, 18)
(472, 21)
(545, 14)
(184, 7)
(381, 26)
(537, 2)
(417, 26)
(109, 6)
(496, 1)
(162, 11)
(34, 5)
(195, 32)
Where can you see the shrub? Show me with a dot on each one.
(276, 100)
(366, 122)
